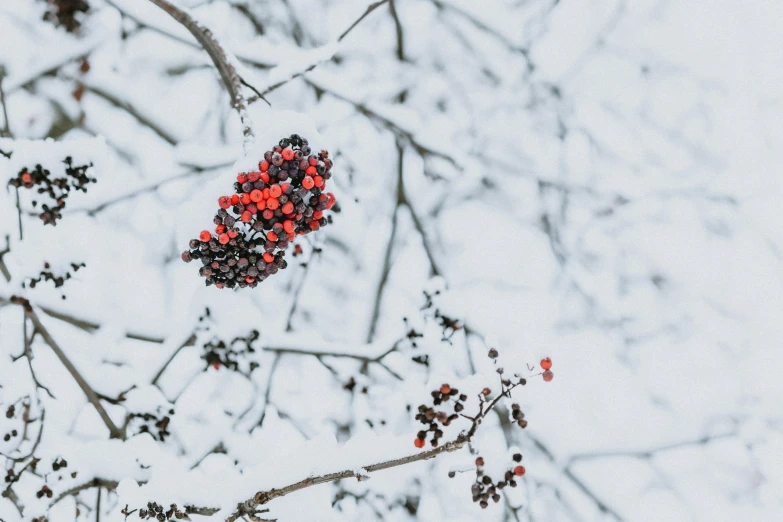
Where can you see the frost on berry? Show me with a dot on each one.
(284, 198)
(54, 190)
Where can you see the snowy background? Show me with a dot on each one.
(596, 181)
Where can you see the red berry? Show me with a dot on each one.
(27, 178)
(263, 165)
(261, 205)
(445, 389)
(519, 471)
(242, 178)
(219, 285)
(246, 216)
(249, 279)
(289, 208)
(268, 214)
(548, 376)
(288, 225)
(266, 193)
(272, 203)
(253, 176)
(216, 365)
(220, 229)
(318, 214)
(265, 177)
(271, 236)
(288, 153)
(235, 199)
(224, 202)
(256, 195)
(252, 208)
(319, 181)
(418, 443)
(223, 238)
(310, 171)
(245, 198)
(275, 191)
(308, 183)
(205, 236)
(479, 461)
(268, 257)
(233, 232)
(546, 363)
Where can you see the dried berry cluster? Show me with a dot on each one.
(485, 488)
(433, 420)
(155, 511)
(151, 422)
(44, 492)
(65, 13)
(218, 352)
(47, 275)
(57, 189)
(255, 225)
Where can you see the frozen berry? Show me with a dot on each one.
(519, 471)
(205, 235)
(548, 376)
(419, 443)
(546, 363)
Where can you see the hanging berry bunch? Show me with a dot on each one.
(57, 189)
(155, 511)
(485, 488)
(66, 13)
(284, 198)
(433, 420)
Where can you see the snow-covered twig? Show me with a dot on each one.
(228, 72)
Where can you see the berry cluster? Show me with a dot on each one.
(485, 488)
(269, 208)
(47, 275)
(218, 352)
(155, 511)
(434, 420)
(57, 189)
(65, 13)
(44, 492)
(9, 435)
(151, 422)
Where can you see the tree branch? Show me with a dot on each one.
(219, 57)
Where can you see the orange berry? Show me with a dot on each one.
(548, 376)
(256, 195)
(318, 214)
(245, 198)
(319, 181)
(205, 236)
(289, 207)
(291, 237)
(519, 471)
(235, 199)
(266, 193)
(314, 225)
(27, 178)
(261, 204)
(250, 279)
(288, 153)
(268, 257)
(288, 225)
(263, 165)
(308, 183)
(265, 177)
(223, 238)
(311, 171)
(242, 178)
(418, 443)
(546, 363)
(220, 229)
(285, 186)
(253, 176)
(272, 203)
(232, 233)
(445, 389)
(271, 236)
(224, 202)
(275, 191)
(246, 216)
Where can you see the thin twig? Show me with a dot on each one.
(219, 57)
(92, 397)
(370, 9)
(6, 130)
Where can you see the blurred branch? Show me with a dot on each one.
(219, 57)
(6, 130)
(370, 9)
(92, 397)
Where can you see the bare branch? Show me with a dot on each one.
(6, 130)
(219, 57)
(370, 9)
